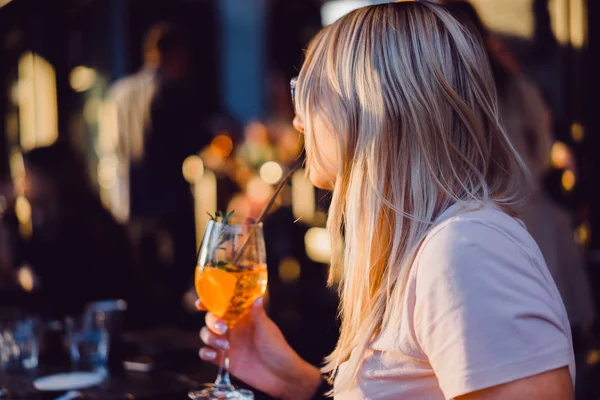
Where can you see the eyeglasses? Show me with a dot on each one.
(293, 83)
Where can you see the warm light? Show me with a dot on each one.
(82, 78)
(578, 23)
(558, 10)
(25, 278)
(192, 168)
(23, 209)
(271, 172)
(107, 172)
(577, 132)
(258, 190)
(4, 2)
(222, 145)
(568, 180)
(560, 155)
(592, 358)
(205, 200)
(318, 245)
(289, 270)
(569, 21)
(38, 110)
(582, 235)
(511, 17)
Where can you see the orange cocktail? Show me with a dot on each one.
(227, 291)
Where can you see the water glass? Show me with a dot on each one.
(19, 344)
(88, 341)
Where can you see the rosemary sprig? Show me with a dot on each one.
(221, 217)
(224, 237)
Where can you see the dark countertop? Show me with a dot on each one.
(177, 370)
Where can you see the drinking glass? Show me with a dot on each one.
(88, 340)
(231, 274)
(19, 344)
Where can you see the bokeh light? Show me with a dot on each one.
(23, 210)
(222, 145)
(568, 180)
(192, 168)
(38, 104)
(271, 172)
(82, 78)
(560, 155)
(289, 270)
(582, 235)
(577, 132)
(25, 278)
(318, 245)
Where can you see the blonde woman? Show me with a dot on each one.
(444, 295)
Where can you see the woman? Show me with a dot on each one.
(444, 294)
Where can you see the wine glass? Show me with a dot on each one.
(231, 274)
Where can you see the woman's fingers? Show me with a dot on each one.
(215, 324)
(213, 340)
(200, 306)
(212, 336)
(208, 354)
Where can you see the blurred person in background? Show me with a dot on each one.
(160, 123)
(76, 252)
(444, 294)
(528, 123)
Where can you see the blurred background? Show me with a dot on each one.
(123, 122)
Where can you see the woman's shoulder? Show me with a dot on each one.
(483, 252)
(485, 300)
(471, 235)
(478, 221)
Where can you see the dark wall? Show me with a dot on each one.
(198, 19)
(102, 34)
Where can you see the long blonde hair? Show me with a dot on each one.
(408, 92)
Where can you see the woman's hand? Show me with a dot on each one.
(260, 355)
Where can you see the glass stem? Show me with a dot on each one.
(223, 379)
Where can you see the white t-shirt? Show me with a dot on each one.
(481, 309)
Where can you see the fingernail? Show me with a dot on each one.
(224, 344)
(197, 302)
(259, 302)
(221, 327)
(208, 354)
